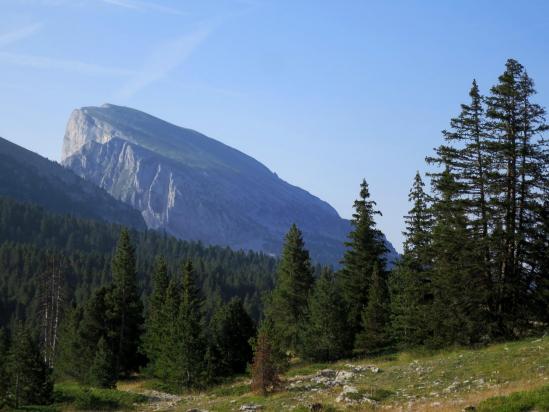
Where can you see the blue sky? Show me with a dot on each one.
(323, 92)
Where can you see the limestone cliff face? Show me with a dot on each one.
(194, 187)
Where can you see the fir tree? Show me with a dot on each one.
(325, 335)
(365, 249)
(232, 329)
(156, 327)
(126, 307)
(102, 373)
(375, 334)
(289, 297)
(459, 309)
(29, 377)
(518, 184)
(191, 344)
(410, 286)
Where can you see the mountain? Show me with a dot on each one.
(195, 187)
(28, 177)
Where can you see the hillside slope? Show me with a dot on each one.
(195, 187)
(29, 177)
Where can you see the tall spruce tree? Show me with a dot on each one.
(156, 324)
(518, 186)
(375, 335)
(29, 377)
(189, 357)
(458, 311)
(365, 249)
(102, 373)
(126, 310)
(4, 346)
(289, 298)
(232, 329)
(410, 285)
(324, 334)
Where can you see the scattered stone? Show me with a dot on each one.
(251, 407)
(316, 407)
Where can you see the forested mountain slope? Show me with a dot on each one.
(32, 241)
(29, 177)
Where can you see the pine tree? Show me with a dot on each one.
(126, 307)
(410, 286)
(264, 369)
(29, 377)
(156, 327)
(190, 355)
(102, 373)
(289, 297)
(366, 248)
(325, 335)
(375, 334)
(518, 185)
(232, 329)
(458, 313)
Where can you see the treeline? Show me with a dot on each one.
(476, 252)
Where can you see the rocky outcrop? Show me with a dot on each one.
(195, 187)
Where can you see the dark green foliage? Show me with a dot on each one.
(29, 378)
(189, 335)
(288, 302)
(375, 334)
(458, 314)
(232, 329)
(325, 335)
(156, 319)
(102, 371)
(410, 283)
(126, 309)
(365, 250)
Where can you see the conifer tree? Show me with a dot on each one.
(190, 355)
(325, 335)
(156, 327)
(232, 329)
(519, 185)
(458, 314)
(264, 369)
(102, 373)
(29, 377)
(126, 307)
(375, 334)
(289, 297)
(410, 286)
(365, 249)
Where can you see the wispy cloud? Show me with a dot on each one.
(48, 63)
(19, 34)
(140, 5)
(162, 61)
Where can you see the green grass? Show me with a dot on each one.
(84, 398)
(446, 380)
(537, 400)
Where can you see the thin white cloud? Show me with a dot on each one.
(162, 61)
(19, 34)
(140, 5)
(48, 63)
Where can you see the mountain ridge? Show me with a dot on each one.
(196, 187)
